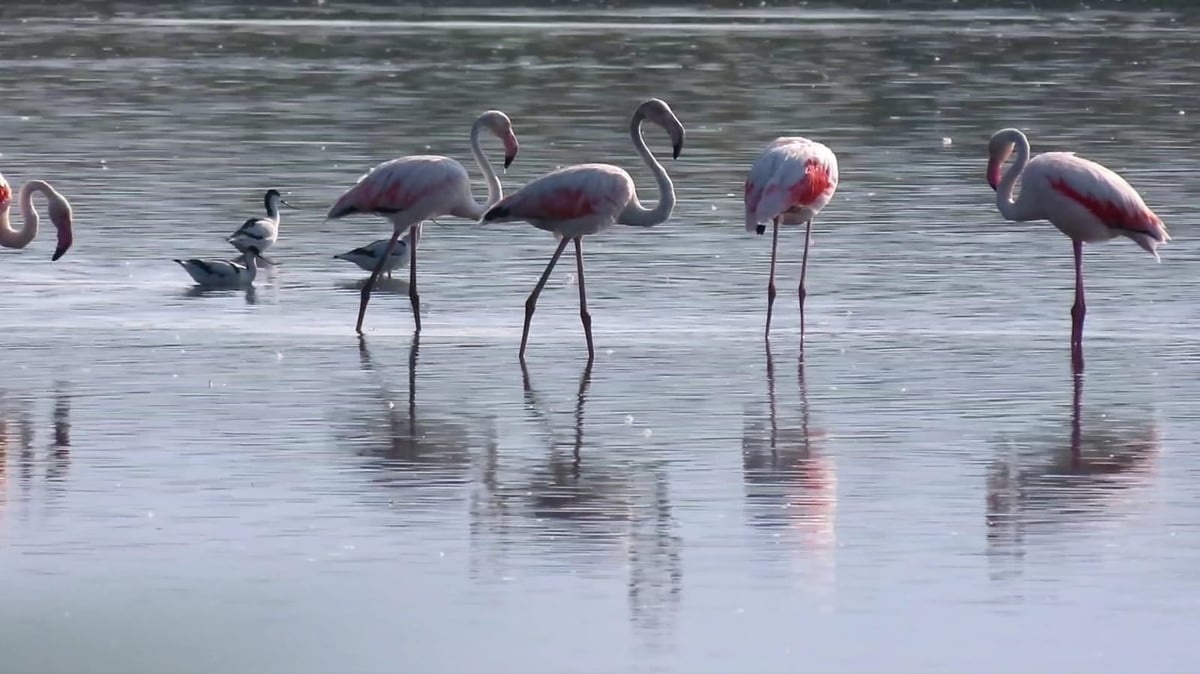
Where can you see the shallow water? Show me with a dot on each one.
(232, 481)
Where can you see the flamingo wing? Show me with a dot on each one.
(1070, 188)
(400, 185)
(599, 191)
(791, 175)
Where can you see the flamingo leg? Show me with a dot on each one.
(1078, 311)
(412, 274)
(803, 270)
(370, 284)
(584, 316)
(771, 281)
(531, 303)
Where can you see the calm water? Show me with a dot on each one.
(231, 481)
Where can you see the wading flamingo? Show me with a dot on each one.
(790, 182)
(584, 199)
(260, 233)
(57, 206)
(1083, 199)
(416, 188)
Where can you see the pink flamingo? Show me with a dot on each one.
(584, 199)
(410, 190)
(791, 181)
(1083, 199)
(57, 205)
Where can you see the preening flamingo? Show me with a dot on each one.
(410, 190)
(790, 182)
(56, 204)
(1083, 199)
(367, 257)
(584, 199)
(260, 233)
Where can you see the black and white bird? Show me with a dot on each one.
(260, 233)
(235, 273)
(367, 257)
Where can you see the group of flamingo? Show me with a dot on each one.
(792, 180)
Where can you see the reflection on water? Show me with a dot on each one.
(197, 292)
(19, 447)
(791, 485)
(544, 519)
(405, 445)
(1069, 477)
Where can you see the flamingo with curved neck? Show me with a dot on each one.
(576, 201)
(1084, 200)
(59, 210)
(412, 189)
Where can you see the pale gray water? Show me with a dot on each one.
(229, 482)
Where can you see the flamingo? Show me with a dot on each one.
(261, 233)
(57, 205)
(367, 257)
(790, 182)
(224, 273)
(1083, 199)
(412, 189)
(584, 199)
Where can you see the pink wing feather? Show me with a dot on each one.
(400, 185)
(792, 175)
(583, 191)
(1061, 178)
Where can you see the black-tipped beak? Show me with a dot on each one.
(58, 252)
(760, 230)
(676, 149)
(508, 160)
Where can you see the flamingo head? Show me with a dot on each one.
(656, 110)
(5, 194)
(999, 148)
(499, 124)
(62, 218)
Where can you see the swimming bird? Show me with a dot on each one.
(1083, 199)
(575, 201)
(367, 257)
(790, 182)
(56, 204)
(261, 233)
(223, 273)
(412, 189)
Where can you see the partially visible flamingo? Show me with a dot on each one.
(584, 199)
(56, 204)
(1083, 199)
(790, 182)
(410, 190)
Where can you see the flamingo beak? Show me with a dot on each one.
(677, 140)
(993, 171)
(62, 223)
(511, 148)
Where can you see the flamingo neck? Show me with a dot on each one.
(635, 213)
(20, 238)
(1008, 208)
(495, 192)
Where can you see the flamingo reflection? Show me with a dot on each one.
(411, 448)
(17, 429)
(790, 484)
(1055, 482)
(584, 506)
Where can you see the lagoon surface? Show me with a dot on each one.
(233, 481)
